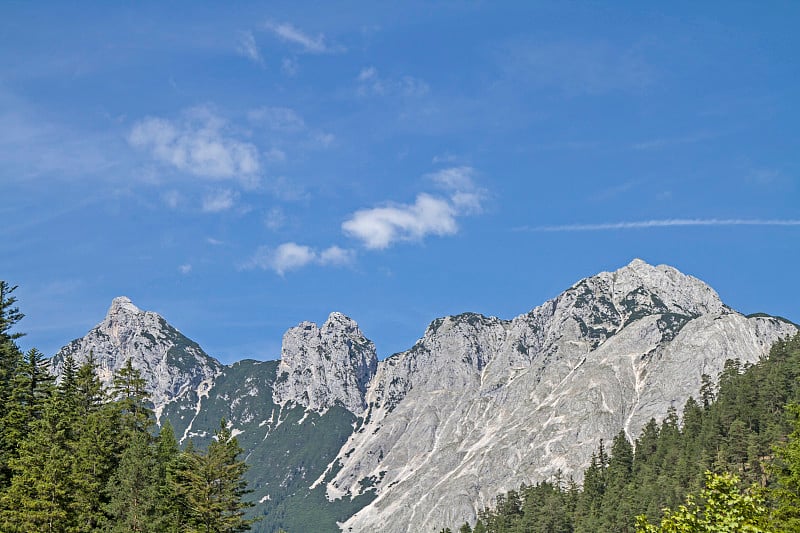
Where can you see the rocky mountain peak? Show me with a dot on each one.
(679, 292)
(170, 362)
(324, 366)
(122, 305)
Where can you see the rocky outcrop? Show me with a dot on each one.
(480, 405)
(324, 366)
(477, 406)
(170, 363)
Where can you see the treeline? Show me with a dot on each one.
(736, 454)
(75, 457)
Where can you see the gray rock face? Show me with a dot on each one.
(480, 405)
(477, 406)
(323, 366)
(171, 364)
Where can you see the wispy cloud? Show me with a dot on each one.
(292, 256)
(248, 48)
(370, 83)
(308, 43)
(185, 269)
(380, 227)
(459, 182)
(665, 223)
(217, 201)
(199, 144)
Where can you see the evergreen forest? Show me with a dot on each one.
(731, 464)
(75, 457)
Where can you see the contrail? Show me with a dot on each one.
(664, 223)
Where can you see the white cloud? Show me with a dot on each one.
(380, 227)
(214, 242)
(309, 44)
(669, 222)
(217, 201)
(198, 144)
(291, 256)
(465, 195)
(248, 48)
(336, 256)
(370, 83)
(278, 118)
(185, 269)
(454, 178)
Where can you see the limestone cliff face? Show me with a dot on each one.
(171, 364)
(323, 366)
(480, 405)
(477, 406)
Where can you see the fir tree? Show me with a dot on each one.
(133, 490)
(211, 487)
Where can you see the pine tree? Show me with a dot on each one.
(129, 390)
(32, 385)
(133, 489)
(168, 513)
(40, 495)
(93, 440)
(10, 358)
(787, 470)
(211, 487)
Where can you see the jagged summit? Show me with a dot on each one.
(170, 362)
(122, 304)
(475, 407)
(324, 366)
(448, 418)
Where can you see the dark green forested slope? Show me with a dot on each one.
(77, 458)
(746, 429)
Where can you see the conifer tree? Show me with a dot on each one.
(40, 495)
(212, 487)
(167, 454)
(10, 358)
(787, 470)
(133, 490)
(129, 390)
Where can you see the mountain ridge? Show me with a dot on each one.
(439, 427)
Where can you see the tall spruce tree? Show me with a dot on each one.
(212, 487)
(133, 490)
(10, 358)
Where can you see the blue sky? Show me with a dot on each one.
(239, 170)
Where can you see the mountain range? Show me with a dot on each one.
(338, 440)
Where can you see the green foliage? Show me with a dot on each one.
(724, 508)
(786, 515)
(210, 487)
(73, 460)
